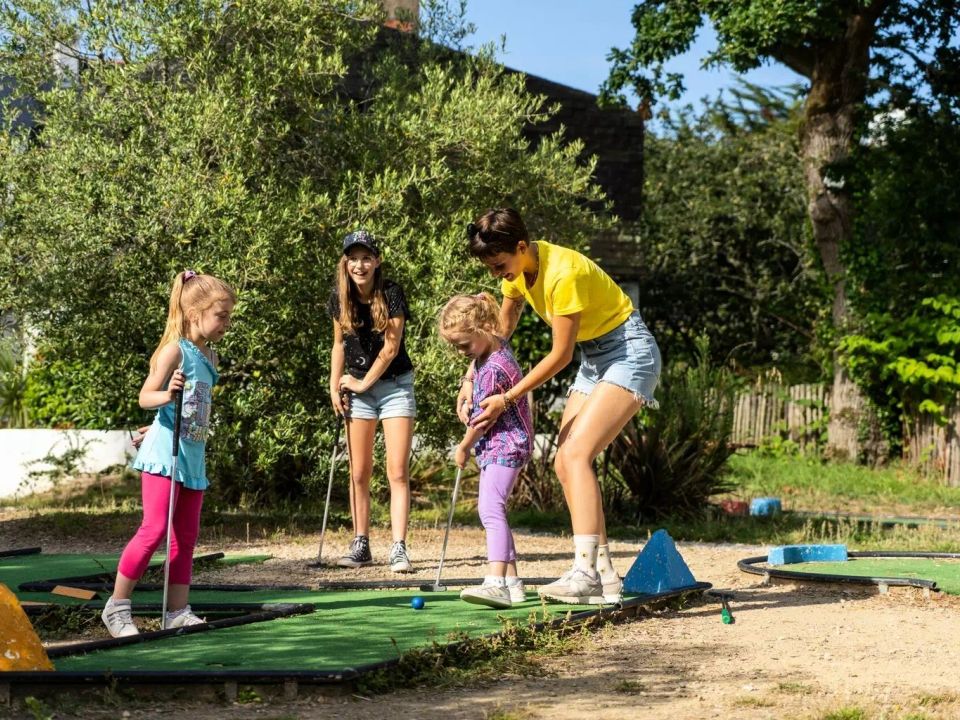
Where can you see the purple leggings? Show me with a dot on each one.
(496, 483)
(153, 529)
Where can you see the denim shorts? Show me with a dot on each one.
(388, 398)
(627, 357)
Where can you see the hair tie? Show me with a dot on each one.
(189, 275)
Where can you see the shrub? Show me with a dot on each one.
(671, 461)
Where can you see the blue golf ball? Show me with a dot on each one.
(417, 603)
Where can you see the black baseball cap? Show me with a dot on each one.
(361, 237)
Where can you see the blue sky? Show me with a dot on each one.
(568, 41)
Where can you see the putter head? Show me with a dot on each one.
(431, 587)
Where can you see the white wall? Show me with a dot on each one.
(19, 448)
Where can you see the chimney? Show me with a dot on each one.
(402, 14)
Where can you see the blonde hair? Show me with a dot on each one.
(347, 294)
(191, 292)
(469, 315)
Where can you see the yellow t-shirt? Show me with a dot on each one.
(569, 283)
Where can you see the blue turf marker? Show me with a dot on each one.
(788, 554)
(658, 568)
(765, 506)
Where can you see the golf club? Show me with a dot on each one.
(178, 410)
(437, 587)
(326, 505)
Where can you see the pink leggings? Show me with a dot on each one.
(153, 529)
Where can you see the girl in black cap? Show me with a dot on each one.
(371, 379)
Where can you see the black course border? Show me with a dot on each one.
(20, 551)
(749, 565)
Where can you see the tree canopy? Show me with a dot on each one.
(244, 140)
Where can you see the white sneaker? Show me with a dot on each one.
(518, 593)
(183, 618)
(118, 619)
(576, 587)
(495, 596)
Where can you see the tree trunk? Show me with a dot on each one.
(838, 81)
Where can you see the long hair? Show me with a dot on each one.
(349, 298)
(191, 293)
(471, 315)
(496, 231)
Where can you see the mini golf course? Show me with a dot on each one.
(319, 635)
(926, 570)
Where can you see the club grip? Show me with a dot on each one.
(177, 412)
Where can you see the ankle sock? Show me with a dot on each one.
(604, 564)
(585, 548)
(513, 580)
(494, 580)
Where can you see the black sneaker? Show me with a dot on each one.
(358, 555)
(399, 559)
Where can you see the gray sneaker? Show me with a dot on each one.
(118, 619)
(576, 587)
(183, 618)
(358, 555)
(518, 593)
(494, 596)
(612, 590)
(399, 560)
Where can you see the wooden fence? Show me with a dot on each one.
(772, 412)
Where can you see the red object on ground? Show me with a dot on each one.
(735, 507)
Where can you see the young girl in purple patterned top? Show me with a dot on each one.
(471, 323)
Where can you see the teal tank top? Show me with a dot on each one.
(156, 451)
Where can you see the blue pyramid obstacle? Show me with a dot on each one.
(658, 568)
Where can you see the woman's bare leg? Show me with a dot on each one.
(589, 425)
(360, 437)
(398, 438)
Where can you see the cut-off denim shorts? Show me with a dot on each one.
(627, 357)
(388, 398)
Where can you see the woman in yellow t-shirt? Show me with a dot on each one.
(619, 371)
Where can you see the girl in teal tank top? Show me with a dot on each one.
(199, 314)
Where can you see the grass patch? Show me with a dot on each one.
(629, 687)
(805, 483)
(794, 688)
(516, 650)
(847, 713)
(750, 701)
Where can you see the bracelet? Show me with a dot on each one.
(466, 378)
(508, 401)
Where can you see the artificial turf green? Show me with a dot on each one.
(347, 628)
(945, 572)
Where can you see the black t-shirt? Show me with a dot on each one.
(361, 348)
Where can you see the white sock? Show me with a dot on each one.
(494, 580)
(604, 565)
(585, 549)
(118, 603)
(173, 614)
(513, 580)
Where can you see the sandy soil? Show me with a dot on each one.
(793, 652)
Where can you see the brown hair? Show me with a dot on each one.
(349, 298)
(496, 231)
(191, 292)
(470, 314)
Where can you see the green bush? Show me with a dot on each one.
(671, 461)
(244, 140)
(908, 365)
